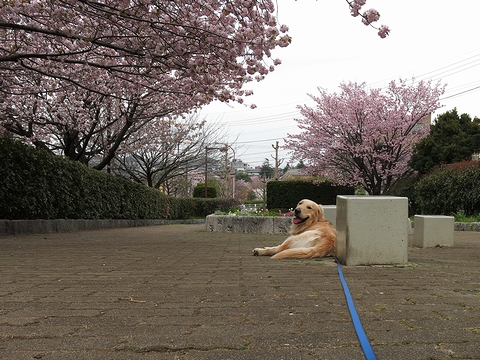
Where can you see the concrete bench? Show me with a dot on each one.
(433, 230)
(372, 230)
(330, 212)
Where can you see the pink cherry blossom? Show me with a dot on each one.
(364, 137)
(368, 17)
(383, 31)
(162, 46)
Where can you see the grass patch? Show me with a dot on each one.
(460, 217)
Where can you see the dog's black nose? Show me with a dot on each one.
(297, 211)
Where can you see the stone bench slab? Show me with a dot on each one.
(433, 230)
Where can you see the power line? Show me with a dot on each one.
(258, 141)
(443, 71)
(460, 93)
(447, 70)
(433, 71)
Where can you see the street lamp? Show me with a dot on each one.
(206, 163)
(222, 149)
(234, 162)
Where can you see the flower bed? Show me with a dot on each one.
(253, 210)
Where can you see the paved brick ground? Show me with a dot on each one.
(179, 292)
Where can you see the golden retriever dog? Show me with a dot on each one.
(311, 236)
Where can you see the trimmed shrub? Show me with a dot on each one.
(199, 191)
(204, 207)
(24, 190)
(450, 189)
(182, 208)
(39, 185)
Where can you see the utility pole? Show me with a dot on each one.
(277, 162)
(223, 149)
(264, 180)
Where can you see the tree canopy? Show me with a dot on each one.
(452, 138)
(266, 171)
(90, 79)
(364, 137)
(188, 51)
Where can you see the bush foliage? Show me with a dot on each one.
(450, 189)
(452, 138)
(286, 194)
(199, 191)
(38, 185)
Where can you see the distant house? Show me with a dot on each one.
(240, 166)
(295, 174)
(424, 122)
(254, 171)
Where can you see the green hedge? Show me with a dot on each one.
(286, 194)
(450, 189)
(38, 185)
(204, 207)
(199, 191)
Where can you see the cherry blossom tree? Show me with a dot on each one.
(364, 137)
(86, 77)
(84, 125)
(190, 51)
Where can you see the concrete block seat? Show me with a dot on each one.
(330, 212)
(372, 230)
(433, 230)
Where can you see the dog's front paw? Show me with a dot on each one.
(256, 252)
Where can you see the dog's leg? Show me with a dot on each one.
(265, 251)
(296, 253)
(272, 250)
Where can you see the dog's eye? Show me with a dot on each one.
(309, 207)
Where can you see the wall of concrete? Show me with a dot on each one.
(248, 224)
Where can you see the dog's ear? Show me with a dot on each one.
(320, 214)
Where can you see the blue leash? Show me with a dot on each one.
(364, 343)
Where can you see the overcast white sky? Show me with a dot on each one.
(429, 39)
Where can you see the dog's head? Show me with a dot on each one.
(307, 212)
